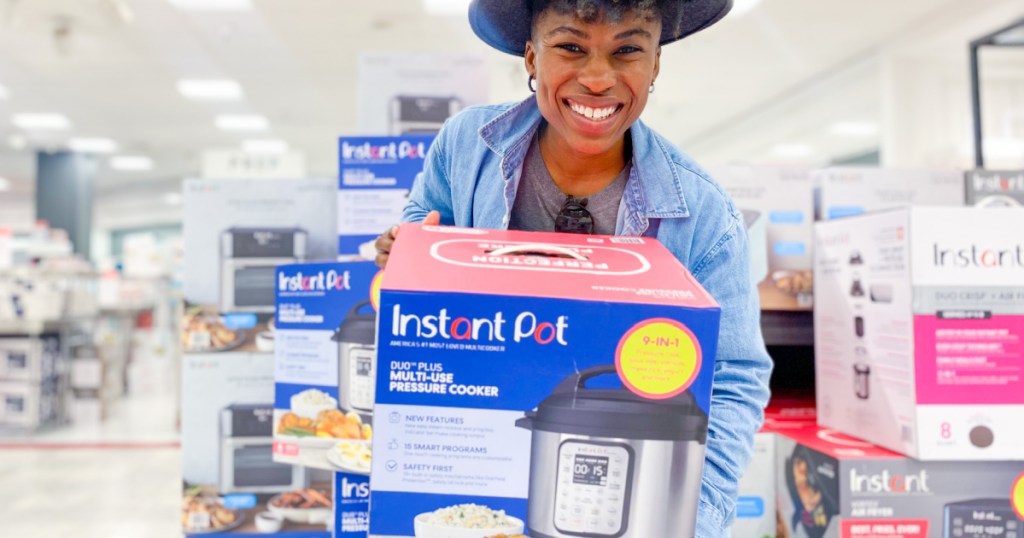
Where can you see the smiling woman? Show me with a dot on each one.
(575, 157)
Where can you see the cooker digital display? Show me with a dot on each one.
(362, 378)
(591, 496)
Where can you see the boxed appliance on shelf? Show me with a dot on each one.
(848, 191)
(375, 175)
(325, 365)
(547, 383)
(779, 203)
(232, 483)
(31, 404)
(248, 257)
(990, 188)
(29, 358)
(755, 502)
(834, 486)
(919, 330)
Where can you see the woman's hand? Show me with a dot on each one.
(387, 238)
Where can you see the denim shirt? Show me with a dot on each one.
(470, 176)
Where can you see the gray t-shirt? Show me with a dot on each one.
(538, 198)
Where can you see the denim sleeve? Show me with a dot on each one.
(742, 370)
(431, 190)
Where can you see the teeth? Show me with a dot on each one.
(592, 113)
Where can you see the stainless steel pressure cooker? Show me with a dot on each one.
(610, 463)
(357, 359)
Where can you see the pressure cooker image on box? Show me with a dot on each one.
(357, 359)
(609, 463)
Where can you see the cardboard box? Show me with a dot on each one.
(849, 191)
(919, 330)
(504, 361)
(324, 365)
(755, 502)
(375, 176)
(779, 206)
(30, 404)
(834, 486)
(990, 188)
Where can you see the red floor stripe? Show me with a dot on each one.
(87, 446)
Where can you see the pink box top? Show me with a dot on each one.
(833, 443)
(540, 264)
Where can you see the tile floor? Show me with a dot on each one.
(117, 479)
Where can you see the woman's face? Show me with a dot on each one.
(593, 78)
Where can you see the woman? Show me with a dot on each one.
(574, 157)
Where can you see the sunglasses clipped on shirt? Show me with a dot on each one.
(574, 218)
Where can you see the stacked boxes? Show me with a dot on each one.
(31, 384)
(850, 191)
(989, 188)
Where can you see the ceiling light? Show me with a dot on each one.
(5, 184)
(742, 7)
(4, 94)
(792, 151)
(446, 7)
(92, 145)
(212, 5)
(173, 198)
(131, 163)
(229, 122)
(41, 121)
(210, 89)
(264, 146)
(854, 128)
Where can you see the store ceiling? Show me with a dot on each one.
(111, 66)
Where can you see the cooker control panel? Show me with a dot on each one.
(592, 488)
(362, 377)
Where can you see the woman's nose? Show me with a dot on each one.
(597, 76)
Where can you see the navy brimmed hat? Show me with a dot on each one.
(505, 24)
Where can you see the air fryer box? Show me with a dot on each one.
(849, 191)
(990, 188)
(919, 331)
(834, 486)
(779, 206)
(324, 365)
(558, 383)
(755, 502)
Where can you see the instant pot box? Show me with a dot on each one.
(834, 486)
(848, 191)
(919, 331)
(989, 188)
(538, 383)
(324, 365)
(778, 204)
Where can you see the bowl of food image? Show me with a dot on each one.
(466, 521)
(310, 402)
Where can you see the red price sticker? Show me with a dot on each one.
(658, 358)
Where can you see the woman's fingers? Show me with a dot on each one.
(387, 239)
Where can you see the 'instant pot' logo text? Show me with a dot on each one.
(322, 281)
(998, 182)
(975, 256)
(886, 482)
(351, 490)
(383, 152)
(490, 329)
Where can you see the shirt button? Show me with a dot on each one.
(504, 219)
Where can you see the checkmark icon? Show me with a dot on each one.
(391, 465)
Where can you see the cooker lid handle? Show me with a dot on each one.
(578, 380)
(358, 306)
(543, 248)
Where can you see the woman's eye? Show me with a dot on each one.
(629, 49)
(570, 47)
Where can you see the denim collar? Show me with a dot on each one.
(656, 189)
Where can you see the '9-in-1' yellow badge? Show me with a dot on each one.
(658, 358)
(1017, 496)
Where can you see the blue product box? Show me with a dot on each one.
(541, 384)
(374, 179)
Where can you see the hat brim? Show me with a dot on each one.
(505, 24)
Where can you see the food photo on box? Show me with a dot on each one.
(539, 384)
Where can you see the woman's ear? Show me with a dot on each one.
(530, 59)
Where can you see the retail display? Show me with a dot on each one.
(834, 486)
(927, 364)
(847, 191)
(495, 391)
(990, 188)
(780, 236)
(375, 176)
(248, 257)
